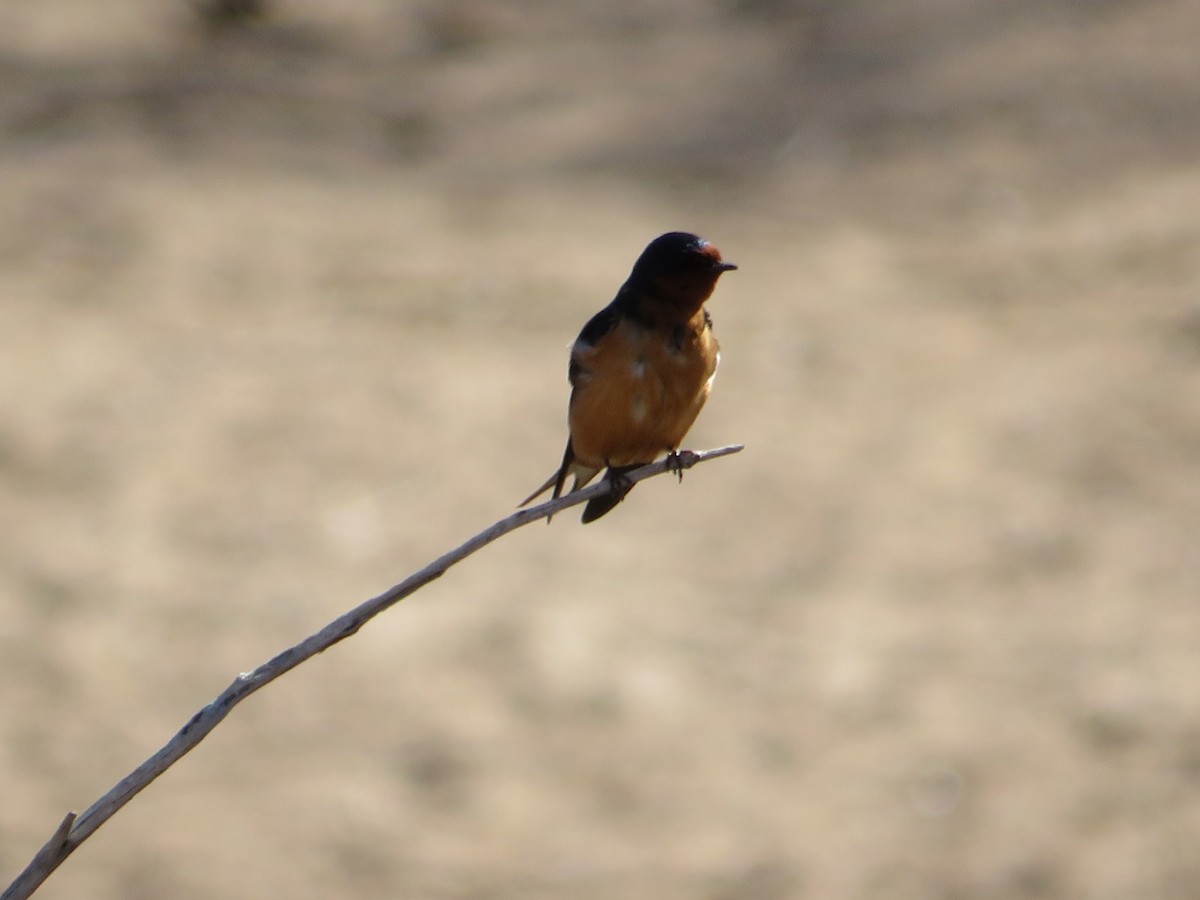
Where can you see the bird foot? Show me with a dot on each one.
(678, 460)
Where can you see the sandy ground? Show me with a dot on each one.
(284, 312)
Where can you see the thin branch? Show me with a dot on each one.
(74, 831)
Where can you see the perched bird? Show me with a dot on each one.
(641, 368)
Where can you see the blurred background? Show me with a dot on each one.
(286, 291)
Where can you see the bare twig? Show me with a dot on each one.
(74, 831)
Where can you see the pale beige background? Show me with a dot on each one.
(284, 314)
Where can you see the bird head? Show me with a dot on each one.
(679, 267)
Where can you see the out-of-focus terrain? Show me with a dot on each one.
(284, 310)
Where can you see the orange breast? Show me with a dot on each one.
(639, 391)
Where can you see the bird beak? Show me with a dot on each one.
(725, 267)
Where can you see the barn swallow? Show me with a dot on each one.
(641, 369)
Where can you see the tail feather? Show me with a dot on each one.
(582, 475)
(557, 480)
(619, 486)
(598, 506)
(550, 482)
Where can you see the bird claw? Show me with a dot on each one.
(678, 460)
